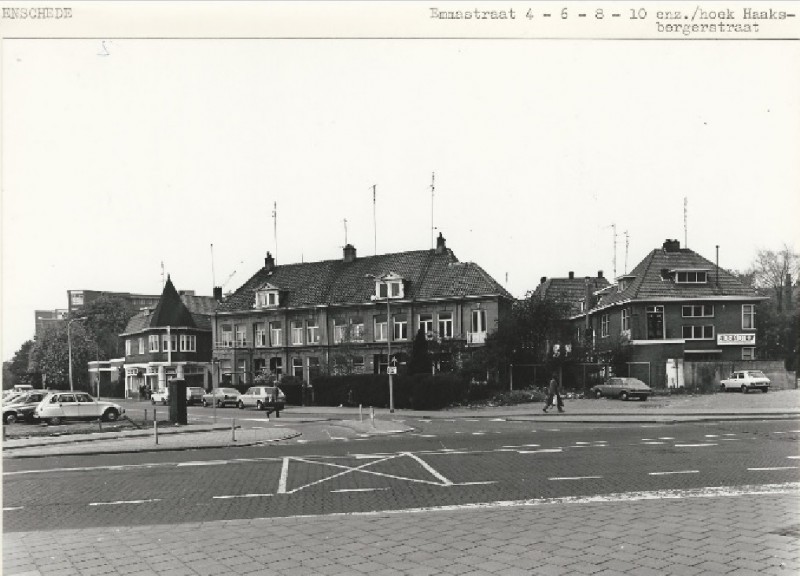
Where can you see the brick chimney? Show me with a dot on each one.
(269, 263)
(218, 293)
(672, 245)
(543, 279)
(571, 275)
(599, 273)
(349, 253)
(440, 246)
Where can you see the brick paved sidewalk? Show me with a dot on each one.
(744, 534)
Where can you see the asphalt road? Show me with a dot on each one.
(442, 463)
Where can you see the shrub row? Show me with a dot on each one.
(417, 392)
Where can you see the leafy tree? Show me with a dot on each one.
(775, 270)
(341, 361)
(51, 353)
(420, 361)
(18, 367)
(106, 318)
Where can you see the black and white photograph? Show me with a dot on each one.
(400, 288)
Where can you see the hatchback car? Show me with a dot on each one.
(22, 407)
(59, 406)
(194, 395)
(622, 388)
(746, 380)
(261, 397)
(222, 397)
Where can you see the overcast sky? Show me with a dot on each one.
(117, 158)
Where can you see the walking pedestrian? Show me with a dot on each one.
(554, 390)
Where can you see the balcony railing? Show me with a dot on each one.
(476, 337)
(231, 344)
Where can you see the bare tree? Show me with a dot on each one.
(774, 270)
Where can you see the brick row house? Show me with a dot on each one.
(171, 340)
(674, 306)
(341, 316)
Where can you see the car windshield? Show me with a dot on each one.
(756, 374)
(228, 391)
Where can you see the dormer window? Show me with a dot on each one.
(623, 282)
(390, 286)
(691, 276)
(267, 297)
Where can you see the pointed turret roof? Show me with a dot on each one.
(171, 311)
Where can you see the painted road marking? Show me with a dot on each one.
(478, 433)
(357, 490)
(666, 438)
(203, 463)
(674, 472)
(652, 442)
(542, 451)
(576, 478)
(712, 436)
(12, 508)
(773, 468)
(694, 445)
(793, 457)
(475, 483)
(240, 496)
(125, 502)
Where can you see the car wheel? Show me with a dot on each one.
(259, 405)
(744, 389)
(623, 395)
(55, 420)
(220, 404)
(205, 403)
(598, 394)
(240, 405)
(765, 390)
(153, 402)
(10, 418)
(722, 388)
(643, 398)
(111, 415)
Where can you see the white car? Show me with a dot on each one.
(59, 406)
(161, 397)
(746, 380)
(222, 397)
(261, 397)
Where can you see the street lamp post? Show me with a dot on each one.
(69, 348)
(388, 340)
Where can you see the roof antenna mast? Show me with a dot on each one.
(374, 221)
(213, 276)
(614, 229)
(626, 251)
(685, 222)
(345, 231)
(433, 188)
(275, 227)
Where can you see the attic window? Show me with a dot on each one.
(691, 277)
(390, 286)
(266, 298)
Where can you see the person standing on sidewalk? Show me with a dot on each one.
(554, 389)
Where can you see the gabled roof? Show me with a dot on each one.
(176, 311)
(569, 290)
(428, 274)
(651, 280)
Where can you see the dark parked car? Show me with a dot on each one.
(22, 407)
(622, 388)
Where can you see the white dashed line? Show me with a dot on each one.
(774, 468)
(12, 508)
(357, 490)
(793, 457)
(475, 483)
(240, 496)
(712, 435)
(124, 502)
(694, 445)
(653, 442)
(674, 472)
(202, 463)
(542, 451)
(576, 478)
(666, 438)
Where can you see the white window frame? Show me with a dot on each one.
(297, 333)
(141, 345)
(691, 277)
(605, 325)
(242, 369)
(312, 333)
(426, 324)
(358, 364)
(226, 336)
(445, 324)
(267, 299)
(297, 363)
(748, 353)
(153, 343)
(260, 331)
(478, 321)
(399, 329)
(381, 329)
(697, 311)
(188, 343)
(240, 334)
(275, 334)
(128, 347)
(706, 332)
(339, 332)
(749, 312)
(625, 320)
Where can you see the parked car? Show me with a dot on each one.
(194, 395)
(22, 407)
(161, 397)
(261, 397)
(59, 406)
(622, 388)
(17, 390)
(746, 380)
(222, 397)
